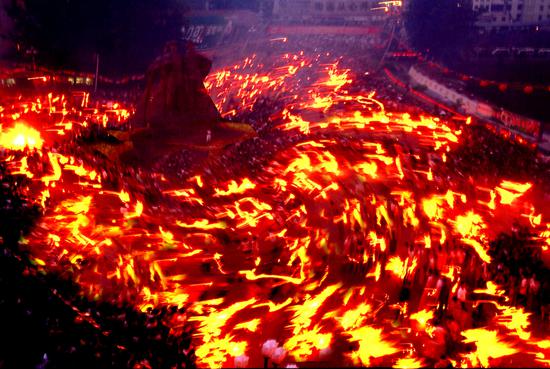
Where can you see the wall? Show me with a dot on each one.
(518, 124)
(450, 96)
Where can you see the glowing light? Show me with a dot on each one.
(371, 345)
(488, 345)
(20, 137)
(313, 201)
(422, 317)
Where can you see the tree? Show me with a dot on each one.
(68, 33)
(440, 28)
(5, 29)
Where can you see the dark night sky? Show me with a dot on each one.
(127, 34)
(5, 27)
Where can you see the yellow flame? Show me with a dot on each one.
(488, 345)
(20, 137)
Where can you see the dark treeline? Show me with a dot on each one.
(69, 33)
(442, 29)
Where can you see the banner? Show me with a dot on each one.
(528, 126)
(485, 110)
(206, 31)
(201, 33)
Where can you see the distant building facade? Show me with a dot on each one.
(332, 10)
(308, 11)
(506, 14)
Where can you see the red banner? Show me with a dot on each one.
(317, 30)
(522, 124)
(485, 110)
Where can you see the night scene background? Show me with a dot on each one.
(274, 183)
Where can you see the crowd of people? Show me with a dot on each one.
(519, 268)
(49, 324)
(525, 277)
(61, 329)
(484, 149)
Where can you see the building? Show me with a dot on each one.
(333, 10)
(506, 14)
(308, 11)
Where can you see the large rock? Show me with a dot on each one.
(176, 111)
(175, 101)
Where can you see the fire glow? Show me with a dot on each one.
(20, 137)
(315, 200)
